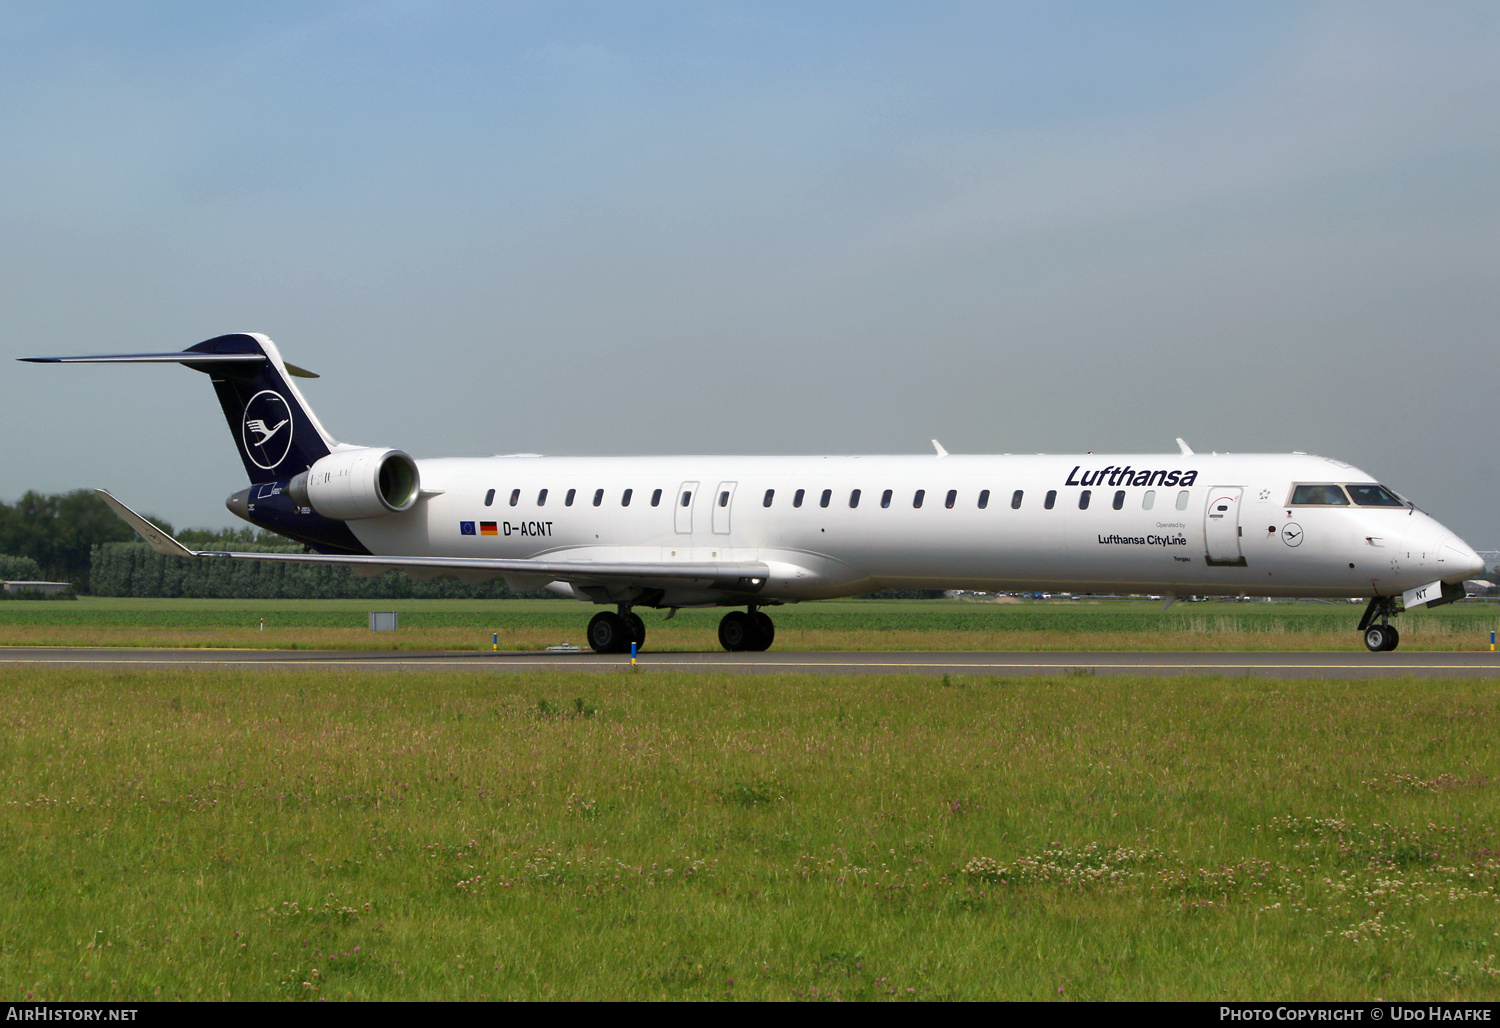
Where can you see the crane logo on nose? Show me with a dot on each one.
(1291, 533)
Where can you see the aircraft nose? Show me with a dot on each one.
(1460, 560)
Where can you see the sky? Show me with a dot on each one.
(765, 227)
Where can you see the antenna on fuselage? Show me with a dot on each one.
(1187, 451)
(939, 448)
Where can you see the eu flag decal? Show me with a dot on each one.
(466, 528)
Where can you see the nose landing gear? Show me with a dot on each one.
(750, 630)
(1382, 637)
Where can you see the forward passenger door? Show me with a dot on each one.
(1221, 526)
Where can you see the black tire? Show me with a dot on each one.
(1379, 638)
(637, 629)
(735, 631)
(763, 634)
(1393, 638)
(609, 633)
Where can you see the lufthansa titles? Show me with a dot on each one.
(1111, 475)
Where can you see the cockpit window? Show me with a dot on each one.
(1319, 495)
(1374, 496)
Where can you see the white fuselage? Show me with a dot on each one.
(1140, 532)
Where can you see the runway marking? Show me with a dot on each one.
(486, 661)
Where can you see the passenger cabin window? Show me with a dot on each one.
(598, 497)
(1119, 499)
(568, 499)
(1182, 500)
(1374, 496)
(916, 500)
(950, 499)
(656, 498)
(541, 498)
(825, 498)
(853, 498)
(1083, 499)
(770, 495)
(1148, 500)
(797, 497)
(984, 498)
(687, 497)
(724, 498)
(515, 497)
(625, 497)
(489, 497)
(885, 498)
(1015, 499)
(1051, 499)
(1319, 496)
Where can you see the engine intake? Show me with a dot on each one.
(363, 483)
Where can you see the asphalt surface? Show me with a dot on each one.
(1266, 665)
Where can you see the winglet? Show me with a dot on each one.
(160, 541)
(1187, 451)
(939, 448)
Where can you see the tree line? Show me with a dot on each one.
(58, 533)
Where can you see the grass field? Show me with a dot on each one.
(182, 834)
(837, 625)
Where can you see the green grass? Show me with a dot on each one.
(184, 834)
(836, 625)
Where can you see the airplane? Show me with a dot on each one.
(756, 532)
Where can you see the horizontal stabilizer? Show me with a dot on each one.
(742, 576)
(186, 357)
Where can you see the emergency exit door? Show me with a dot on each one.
(723, 504)
(687, 495)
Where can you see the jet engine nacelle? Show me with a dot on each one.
(367, 482)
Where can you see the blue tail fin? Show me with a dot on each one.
(277, 434)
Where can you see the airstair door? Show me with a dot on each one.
(1221, 526)
(687, 495)
(723, 504)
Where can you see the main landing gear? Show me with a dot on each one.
(1382, 637)
(613, 633)
(746, 630)
(739, 630)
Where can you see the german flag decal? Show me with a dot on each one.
(488, 528)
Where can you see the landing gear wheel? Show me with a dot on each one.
(735, 631)
(1381, 638)
(609, 633)
(763, 634)
(637, 628)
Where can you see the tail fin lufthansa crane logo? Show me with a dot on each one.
(259, 428)
(266, 431)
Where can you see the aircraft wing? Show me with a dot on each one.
(737, 576)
